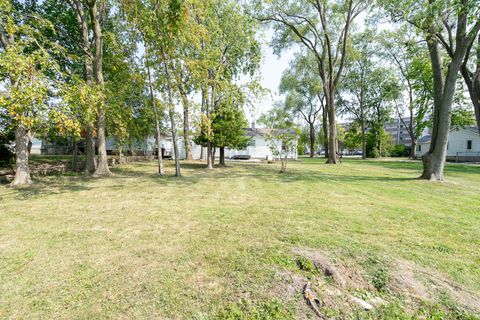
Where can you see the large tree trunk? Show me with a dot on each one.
(186, 125)
(312, 139)
(222, 156)
(22, 173)
(434, 159)
(90, 160)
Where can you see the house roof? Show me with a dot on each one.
(425, 139)
(251, 132)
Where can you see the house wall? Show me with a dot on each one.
(259, 150)
(457, 144)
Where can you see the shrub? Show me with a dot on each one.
(399, 150)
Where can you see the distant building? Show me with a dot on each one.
(463, 145)
(257, 149)
(398, 131)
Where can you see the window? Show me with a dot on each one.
(469, 144)
(419, 147)
(251, 143)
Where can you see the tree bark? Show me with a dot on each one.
(413, 151)
(22, 173)
(472, 80)
(434, 159)
(222, 156)
(171, 114)
(77, 6)
(364, 139)
(75, 156)
(312, 139)
(102, 167)
(325, 130)
(333, 142)
(186, 125)
(158, 134)
(209, 155)
(90, 160)
(30, 142)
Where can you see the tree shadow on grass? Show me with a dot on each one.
(416, 165)
(196, 172)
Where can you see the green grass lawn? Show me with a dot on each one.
(218, 244)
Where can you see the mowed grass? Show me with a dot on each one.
(142, 246)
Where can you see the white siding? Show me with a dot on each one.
(457, 143)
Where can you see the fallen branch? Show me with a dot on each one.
(312, 300)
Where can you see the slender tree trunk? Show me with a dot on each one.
(82, 23)
(156, 115)
(283, 161)
(333, 142)
(75, 156)
(472, 80)
(102, 167)
(379, 146)
(30, 142)
(413, 151)
(90, 161)
(312, 140)
(325, 131)
(222, 156)
(171, 113)
(186, 125)
(364, 139)
(158, 141)
(22, 173)
(209, 155)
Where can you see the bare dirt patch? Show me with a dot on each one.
(338, 288)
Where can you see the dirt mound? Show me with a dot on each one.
(421, 283)
(333, 284)
(343, 275)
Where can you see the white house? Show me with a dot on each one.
(257, 149)
(463, 144)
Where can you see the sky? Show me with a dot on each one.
(271, 69)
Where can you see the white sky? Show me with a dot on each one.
(271, 69)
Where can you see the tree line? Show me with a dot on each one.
(85, 69)
(415, 66)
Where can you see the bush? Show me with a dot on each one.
(399, 150)
(6, 153)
